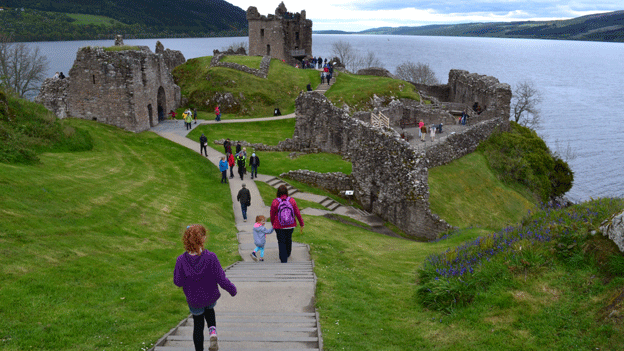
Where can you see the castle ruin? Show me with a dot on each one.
(389, 176)
(130, 89)
(286, 36)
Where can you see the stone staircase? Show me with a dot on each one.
(330, 203)
(276, 182)
(254, 327)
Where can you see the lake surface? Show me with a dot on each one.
(582, 85)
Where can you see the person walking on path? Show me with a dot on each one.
(254, 163)
(240, 162)
(259, 233)
(217, 113)
(198, 272)
(223, 167)
(227, 145)
(244, 197)
(195, 114)
(284, 215)
(188, 119)
(231, 163)
(203, 144)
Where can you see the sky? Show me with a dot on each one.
(358, 15)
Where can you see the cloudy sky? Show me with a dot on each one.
(357, 15)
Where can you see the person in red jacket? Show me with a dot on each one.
(284, 213)
(231, 163)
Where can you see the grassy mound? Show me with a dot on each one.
(28, 129)
(256, 97)
(356, 91)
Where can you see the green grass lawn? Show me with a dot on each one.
(89, 241)
(356, 90)
(265, 132)
(466, 193)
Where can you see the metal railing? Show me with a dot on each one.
(380, 120)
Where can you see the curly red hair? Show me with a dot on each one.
(194, 238)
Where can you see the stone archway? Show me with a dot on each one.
(162, 104)
(150, 114)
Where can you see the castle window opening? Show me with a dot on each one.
(262, 33)
(94, 79)
(268, 50)
(297, 36)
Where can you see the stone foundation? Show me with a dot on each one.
(335, 182)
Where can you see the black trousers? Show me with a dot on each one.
(224, 176)
(202, 148)
(284, 243)
(198, 328)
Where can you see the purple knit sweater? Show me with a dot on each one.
(198, 276)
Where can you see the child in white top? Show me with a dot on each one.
(433, 130)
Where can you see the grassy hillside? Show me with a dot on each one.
(27, 129)
(601, 27)
(80, 19)
(256, 97)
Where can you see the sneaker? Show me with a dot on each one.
(261, 259)
(214, 346)
(254, 256)
(245, 220)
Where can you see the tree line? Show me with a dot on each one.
(34, 25)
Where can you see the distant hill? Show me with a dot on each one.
(600, 27)
(39, 19)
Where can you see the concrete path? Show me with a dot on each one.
(274, 307)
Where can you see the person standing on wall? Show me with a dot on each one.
(199, 273)
(254, 163)
(203, 145)
(244, 197)
(284, 216)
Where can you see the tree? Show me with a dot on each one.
(524, 104)
(419, 73)
(345, 52)
(366, 61)
(21, 68)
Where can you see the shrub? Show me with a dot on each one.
(521, 156)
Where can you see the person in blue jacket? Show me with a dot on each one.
(223, 167)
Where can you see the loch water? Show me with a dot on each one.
(582, 85)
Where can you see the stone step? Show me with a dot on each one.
(222, 338)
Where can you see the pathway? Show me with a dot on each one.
(274, 307)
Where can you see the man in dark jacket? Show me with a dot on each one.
(244, 197)
(203, 143)
(254, 162)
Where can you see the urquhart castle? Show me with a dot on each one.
(134, 90)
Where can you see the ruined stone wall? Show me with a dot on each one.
(335, 182)
(121, 88)
(468, 88)
(389, 176)
(460, 144)
(263, 72)
(277, 35)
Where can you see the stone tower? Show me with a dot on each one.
(286, 36)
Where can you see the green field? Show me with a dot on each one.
(82, 19)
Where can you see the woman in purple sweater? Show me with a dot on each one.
(198, 272)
